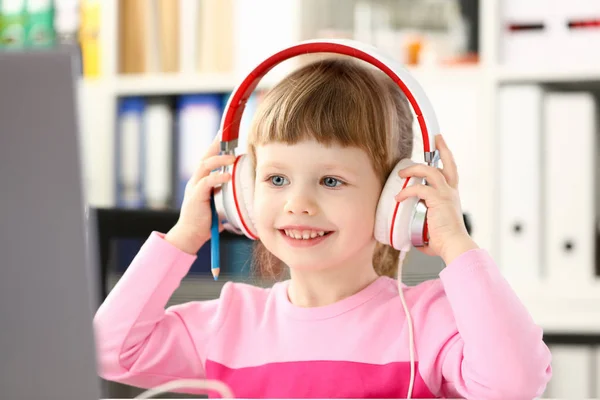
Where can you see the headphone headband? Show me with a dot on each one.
(230, 122)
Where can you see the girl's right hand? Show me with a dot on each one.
(192, 229)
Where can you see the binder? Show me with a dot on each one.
(596, 373)
(167, 17)
(457, 105)
(158, 153)
(129, 147)
(572, 372)
(137, 50)
(570, 150)
(215, 18)
(13, 16)
(89, 37)
(39, 28)
(520, 184)
(198, 118)
(525, 32)
(550, 31)
(254, 37)
(576, 31)
(188, 34)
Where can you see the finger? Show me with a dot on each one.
(212, 163)
(214, 148)
(450, 170)
(433, 175)
(213, 180)
(421, 191)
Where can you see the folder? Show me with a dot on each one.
(596, 376)
(520, 184)
(89, 37)
(13, 22)
(188, 34)
(39, 26)
(129, 147)
(569, 179)
(576, 32)
(167, 17)
(215, 21)
(550, 31)
(158, 153)
(198, 119)
(525, 32)
(572, 372)
(257, 34)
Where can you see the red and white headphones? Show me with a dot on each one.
(396, 224)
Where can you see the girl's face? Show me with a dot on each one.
(314, 206)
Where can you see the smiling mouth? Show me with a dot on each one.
(304, 234)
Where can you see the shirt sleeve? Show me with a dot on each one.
(476, 340)
(141, 343)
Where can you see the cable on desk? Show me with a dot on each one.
(202, 384)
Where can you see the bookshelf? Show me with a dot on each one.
(561, 309)
(572, 75)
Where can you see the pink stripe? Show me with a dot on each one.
(320, 379)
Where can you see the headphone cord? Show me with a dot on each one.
(410, 325)
(202, 384)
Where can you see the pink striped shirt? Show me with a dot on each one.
(473, 337)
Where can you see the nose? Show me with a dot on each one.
(301, 203)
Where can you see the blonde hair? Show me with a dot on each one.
(341, 101)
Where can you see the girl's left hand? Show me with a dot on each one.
(448, 236)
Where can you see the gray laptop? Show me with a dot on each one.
(47, 294)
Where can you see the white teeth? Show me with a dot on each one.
(303, 235)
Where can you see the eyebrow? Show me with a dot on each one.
(327, 167)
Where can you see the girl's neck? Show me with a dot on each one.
(319, 288)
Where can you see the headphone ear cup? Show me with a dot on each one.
(237, 197)
(392, 219)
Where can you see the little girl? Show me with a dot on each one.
(323, 142)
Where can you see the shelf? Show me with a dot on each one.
(174, 84)
(563, 309)
(539, 74)
(451, 73)
(170, 84)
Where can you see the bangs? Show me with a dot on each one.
(329, 104)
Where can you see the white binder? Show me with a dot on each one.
(572, 372)
(158, 153)
(520, 122)
(570, 151)
(525, 36)
(575, 32)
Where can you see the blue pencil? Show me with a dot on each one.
(214, 238)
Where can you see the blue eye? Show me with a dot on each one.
(331, 182)
(277, 180)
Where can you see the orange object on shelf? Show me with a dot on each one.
(413, 48)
